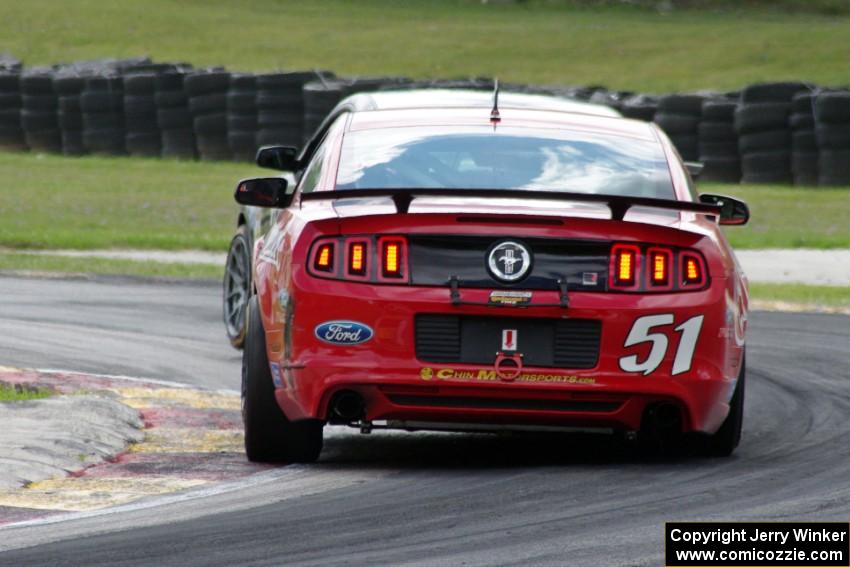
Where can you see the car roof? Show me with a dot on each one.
(448, 98)
(460, 117)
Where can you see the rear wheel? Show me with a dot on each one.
(724, 442)
(269, 436)
(236, 287)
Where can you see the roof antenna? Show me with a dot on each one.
(495, 117)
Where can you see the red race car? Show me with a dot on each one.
(470, 267)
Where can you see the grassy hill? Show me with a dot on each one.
(696, 45)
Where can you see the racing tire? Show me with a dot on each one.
(762, 116)
(802, 121)
(727, 438)
(171, 99)
(677, 124)
(773, 92)
(803, 103)
(833, 136)
(208, 104)
(772, 140)
(716, 132)
(804, 141)
(236, 287)
(690, 104)
(269, 436)
(833, 107)
(719, 110)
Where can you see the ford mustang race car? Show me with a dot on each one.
(464, 268)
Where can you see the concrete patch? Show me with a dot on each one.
(43, 438)
(799, 265)
(789, 307)
(190, 438)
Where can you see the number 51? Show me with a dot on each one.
(640, 333)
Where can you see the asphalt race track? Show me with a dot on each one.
(432, 499)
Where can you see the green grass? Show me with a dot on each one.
(53, 202)
(65, 265)
(9, 393)
(84, 203)
(790, 217)
(724, 46)
(829, 296)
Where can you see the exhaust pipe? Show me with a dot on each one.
(666, 417)
(347, 406)
(661, 426)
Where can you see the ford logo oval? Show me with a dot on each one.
(343, 332)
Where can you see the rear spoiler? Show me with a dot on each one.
(618, 204)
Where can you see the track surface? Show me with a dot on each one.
(434, 499)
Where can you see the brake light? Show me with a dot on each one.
(693, 270)
(325, 257)
(655, 269)
(660, 265)
(392, 258)
(357, 258)
(625, 263)
(353, 258)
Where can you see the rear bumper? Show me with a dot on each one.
(397, 386)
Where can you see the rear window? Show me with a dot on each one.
(504, 158)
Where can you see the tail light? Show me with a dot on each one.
(393, 258)
(693, 270)
(660, 268)
(656, 268)
(388, 255)
(625, 264)
(323, 258)
(357, 258)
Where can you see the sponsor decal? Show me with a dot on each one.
(490, 375)
(510, 297)
(275, 368)
(509, 261)
(343, 332)
(509, 339)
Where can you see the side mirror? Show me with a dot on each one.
(263, 192)
(732, 211)
(282, 158)
(694, 168)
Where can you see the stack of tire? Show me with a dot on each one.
(242, 116)
(804, 146)
(69, 88)
(764, 134)
(39, 112)
(11, 133)
(102, 103)
(679, 116)
(639, 107)
(319, 99)
(611, 99)
(321, 96)
(142, 137)
(173, 116)
(718, 141)
(280, 108)
(207, 91)
(832, 129)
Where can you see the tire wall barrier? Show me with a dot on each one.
(780, 133)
